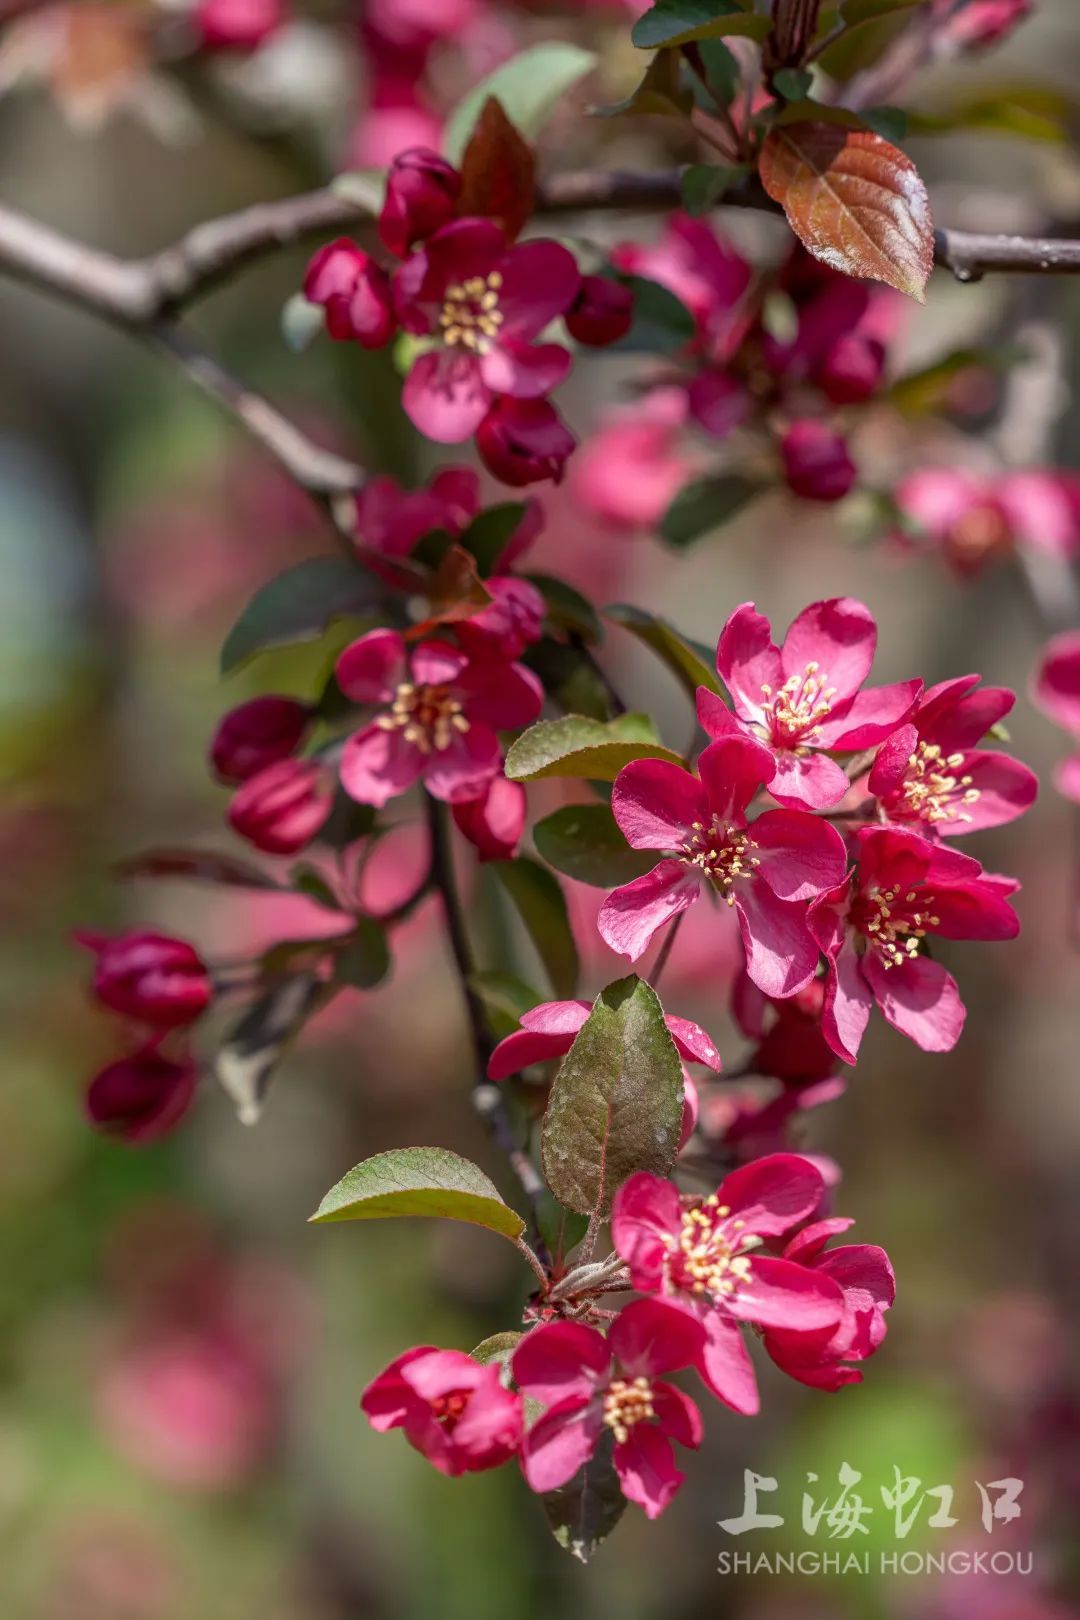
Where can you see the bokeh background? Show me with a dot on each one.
(180, 1354)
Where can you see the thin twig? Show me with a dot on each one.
(665, 950)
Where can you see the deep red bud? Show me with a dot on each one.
(237, 25)
(257, 734)
(282, 808)
(513, 621)
(152, 977)
(422, 190)
(355, 293)
(142, 1097)
(603, 312)
(494, 823)
(851, 372)
(524, 441)
(816, 461)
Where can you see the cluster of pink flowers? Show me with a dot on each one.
(477, 304)
(781, 355)
(869, 901)
(159, 986)
(751, 1254)
(974, 521)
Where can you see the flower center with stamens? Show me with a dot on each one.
(428, 715)
(470, 317)
(705, 1258)
(448, 1408)
(895, 931)
(722, 853)
(795, 712)
(627, 1403)
(931, 789)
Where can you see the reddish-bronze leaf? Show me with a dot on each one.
(455, 591)
(498, 171)
(853, 201)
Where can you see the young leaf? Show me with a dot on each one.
(245, 1063)
(567, 609)
(677, 22)
(528, 86)
(498, 171)
(505, 998)
(540, 904)
(365, 961)
(703, 184)
(584, 1511)
(198, 865)
(489, 534)
(706, 504)
(692, 664)
(793, 83)
(301, 322)
(365, 188)
(854, 201)
(662, 324)
(499, 1347)
(596, 750)
(616, 1101)
(298, 605)
(583, 841)
(428, 1181)
(561, 1229)
(661, 92)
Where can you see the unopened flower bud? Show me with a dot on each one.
(152, 977)
(851, 372)
(422, 190)
(495, 821)
(257, 734)
(355, 293)
(142, 1097)
(237, 25)
(524, 441)
(281, 809)
(817, 465)
(602, 313)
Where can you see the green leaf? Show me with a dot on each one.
(246, 1062)
(505, 998)
(561, 1229)
(490, 532)
(309, 881)
(854, 12)
(583, 1512)
(428, 1181)
(928, 389)
(661, 93)
(297, 606)
(722, 72)
(595, 750)
(583, 841)
(793, 83)
(567, 609)
(499, 1347)
(365, 961)
(1030, 112)
(541, 905)
(704, 505)
(616, 1102)
(677, 22)
(703, 184)
(529, 85)
(301, 322)
(691, 663)
(662, 323)
(891, 123)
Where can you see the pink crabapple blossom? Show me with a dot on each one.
(873, 927)
(453, 1410)
(766, 868)
(865, 1277)
(440, 715)
(483, 302)
(593, 1386)
(150, 977)
(931, 774)
(391, 521)
(708, 1256)
(805, 699)
(975, 519)
(1056, 691)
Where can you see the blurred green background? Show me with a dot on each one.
(180, 1355)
